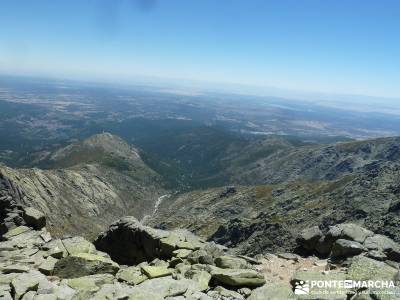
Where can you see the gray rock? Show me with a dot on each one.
(145, 243)
(47, 267)
(83, 264)
(26, 282)
(274, 291)
(237, 277)
(77, 245)
(228, 294)
(309, 237)
(384, 244)
(34, 218)
(162, 287)
(201, 277)
(364, 268)
(354, 232)
(200, 257)
(346, 248)
(288, 256)
(231, 262)
(131, 275)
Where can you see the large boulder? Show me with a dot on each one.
(83, 264)
(273, 291)
(364, 268)
(131, 275)
(161, 288)
(346, 248)
(383, 244)
(309, 237)
(237, 277)
(129, 242)
(75, 245)
(156, 271)
(350, 231)
(34, 218)
(230, 262)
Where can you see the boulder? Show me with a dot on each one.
(364, 268)
(384, 244)
(16, 231)
(273, 291)
(26, 282)
(115, 291)
(155, 272)
(34, 218)
(230, 262)
(55, 248)
(223, 293)
(77, 245)
(131, 275)
(201, 277)
(160, 288)
(129, 242)
(353, 232)
(83, 264)
(237, 277)
(90, 283)
(309, 237)
(200, 257)
(346, 248)
(47, 267)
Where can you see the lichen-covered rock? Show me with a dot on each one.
(272, 291)
(155, 272)
(131, 275)
(91, 283)
(47, 267)
(309, 237)
(346, 248)
(144, 243)
(230, 262)
(83, 264)
(16, 231)
(77, 245)
(364, 268)
(237, 277)
(34, 218)
(26, 282)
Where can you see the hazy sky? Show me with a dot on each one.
(346, 46)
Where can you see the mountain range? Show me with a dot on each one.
(258, 197)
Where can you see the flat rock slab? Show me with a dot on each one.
(155, 272)
(83, 264)
(237, 277)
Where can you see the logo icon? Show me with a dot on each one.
(302, 288)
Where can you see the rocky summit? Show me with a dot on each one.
(133, 261)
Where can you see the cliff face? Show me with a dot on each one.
(88, 185)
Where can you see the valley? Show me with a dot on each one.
(194, 171)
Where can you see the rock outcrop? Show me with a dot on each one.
(144, 243)
(136, 262)
(157, 264)
(84, 187)
(347, 240)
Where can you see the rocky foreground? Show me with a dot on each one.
(133, 261)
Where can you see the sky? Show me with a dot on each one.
(330, 46)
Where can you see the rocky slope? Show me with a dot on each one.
(135, 262)
(87, 185)
(316, 162)
(267, 217)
